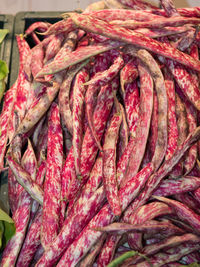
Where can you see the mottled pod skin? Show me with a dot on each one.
(31, 242)
(52, 184)
(22, 213)
(77, 116)
(64, 96)
(172, 122)
(132, 101)
(93, 254)
(53, 47)
(183, 79)
(108, 250)
(77, 56)
(145, 213)
(183, 212)
(94, 25)
(82, 244)
(37, 109)
(109, 163)
(123, 14)
(172, 187)
(168, 165)
(59, 27)
(143, 124)
(157, 23)
(128, 74)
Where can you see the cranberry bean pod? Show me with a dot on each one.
(26, 181)
(191, 158)
(77, 56)
(64, 96)
(68, 46)
(151, 226)
(161, 142)
(104, 217)
(31, 242)
(22, 214)
(166, 31)
(91, 94)
(38, 109)
(42, 26)
(123, 14)
(101, 113)
(68, 176)
(37, 131)
(154, 181)
(94, 252)
(72, 226)
(108, 250)
(183, 79)
(153, 135)
(186, 40)
(89, 23)
(172, 123)
(128, 74)
(4, 120)
(158, 23)
(183, 212)
(185, 12)
(166, 244)
(53, 47)
(37, 59)
(91, 186)
(65, 25)
(182, 125)
(171, 255)
(123, 134)
(79, 95)
(172, 187)
(42, 144)
(21, 220)
(52, 184)
(89, 147)
(101, 79)
(145, 213)
(187, 200)
(143, 124)
(109, 163)
(132, 102)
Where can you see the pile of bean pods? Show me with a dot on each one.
(100, 138)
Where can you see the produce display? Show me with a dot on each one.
(100, 136)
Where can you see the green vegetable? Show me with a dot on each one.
(2, 88)
(7, 228)
(125, 256)
(194, 264)
(3, 69)
(3, 33)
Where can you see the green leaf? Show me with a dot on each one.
(5, 217)
(1, 233)
(2, 88)
(7, 228)
(3, 69)
(9, 231)
(125, 256)
(3, 33)
(194, 264)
